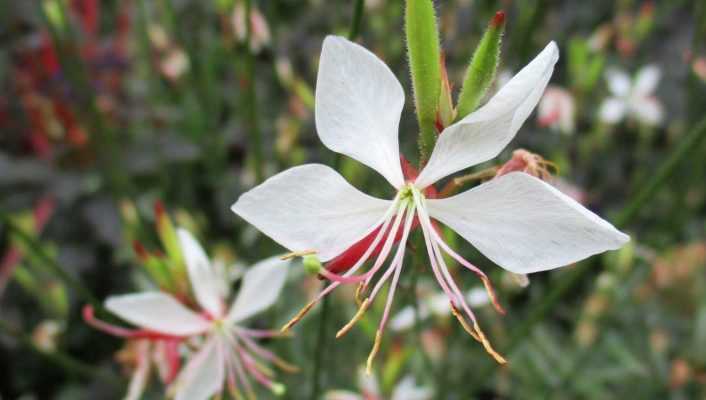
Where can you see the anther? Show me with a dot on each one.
(373, 352)
(358, 315)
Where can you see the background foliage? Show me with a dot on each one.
(105, 111)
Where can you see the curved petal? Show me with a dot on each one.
(261, 286)
(158, 312)
(612, 110)
(204, 280)
(203, 376)
(311, 207)
(618, 82)
(484, 133)
(358, 107)
(524, 225)
(646, 80)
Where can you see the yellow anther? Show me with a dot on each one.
(358, 315)
(373, 352)
(491, 294)
(478, 335)
(294, 254)
(297, 317)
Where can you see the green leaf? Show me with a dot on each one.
(423, 52)
(481, 70)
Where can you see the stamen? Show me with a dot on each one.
(359, 291)
(299, 316)
(294, 254)
(463, 322)
(387, 246)
(476, 332)
(387, 219)
(478, 335)
(486, 281)
(268, 355)
(373, 352)
(358, 315)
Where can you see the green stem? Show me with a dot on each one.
(255, 147)
(357, 19)
(690, 142)
(321, 343)
(49, 262)
(64, 361)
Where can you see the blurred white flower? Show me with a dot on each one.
(557, 110)
(260, 30)
(369, 387)
(632, 98)
(226, 349)
(436, 304)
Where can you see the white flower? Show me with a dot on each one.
(517, 221)
(557, 110)
(632, 98)
(369, 387)
(228, 352)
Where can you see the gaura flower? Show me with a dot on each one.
(228, 354)
(632, 98)
(517, 221)
(369, 387)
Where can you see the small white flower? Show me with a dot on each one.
(228, 353)
(436, 304)
(519, 222)
(632, 98)
(557, 110)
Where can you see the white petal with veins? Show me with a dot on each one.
(484, 133)
(158, 312)
(524, 225)
(204, 374)
(311, 207)
(204, 280)
(261, 286)
(358, 107)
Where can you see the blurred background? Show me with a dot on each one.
(113, 113)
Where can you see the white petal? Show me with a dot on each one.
(525, 225)
(158, 312)
(647, 110)
(612, 110)
(358, 107)
(311, 207)
(260, 288)
(646, 80)
(407, 389)
(203, 376)
(204, 279)
(618, 82)
(484, 133)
